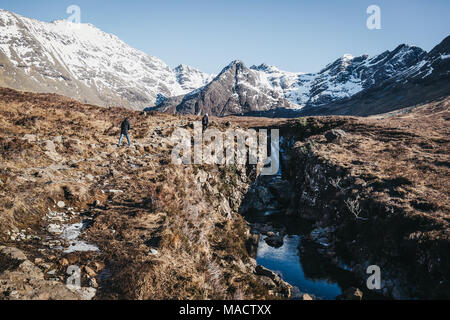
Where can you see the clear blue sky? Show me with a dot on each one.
(295, 35)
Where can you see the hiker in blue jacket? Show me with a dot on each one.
(124, 128)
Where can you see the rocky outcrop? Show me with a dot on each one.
(273, 281)
(235, 91)
(365, 215)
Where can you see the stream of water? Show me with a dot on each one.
(297, 263)
(287, 262)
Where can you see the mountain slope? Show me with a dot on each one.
(344, 77)
(83, 62)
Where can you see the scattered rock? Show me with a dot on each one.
(98, 266)
(97, 203)
(29, 137)
(25, 281)
(90, 272)
(275, 241)
(114, 191)
(307, 297)
(64, 262)
(93, 283)
(58, 139)
(337, 135)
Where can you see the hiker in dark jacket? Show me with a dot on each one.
(205, 122)
(124, 128)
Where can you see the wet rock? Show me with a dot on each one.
(351, 294)
(320, 236)
(284, 289)
(275, 241)
(337, 135)
(281, 190)
(252, 244)
(263, 271)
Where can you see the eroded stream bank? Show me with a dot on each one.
(282, 240)
(306, 229)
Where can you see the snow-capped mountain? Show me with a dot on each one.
(268, 91)
(191, 78)
(343, 78)
(236, 90)
(81, 61)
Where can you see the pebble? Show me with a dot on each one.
(64, 262)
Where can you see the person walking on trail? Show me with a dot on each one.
(205, 121)
(124, 131)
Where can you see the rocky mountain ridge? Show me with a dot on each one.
(265, 90)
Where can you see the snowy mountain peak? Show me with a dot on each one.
(265, 68)
(191, 78)
(85, 63)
